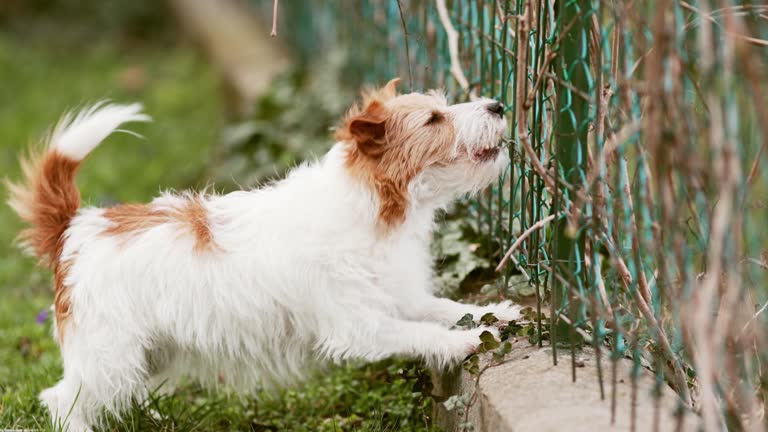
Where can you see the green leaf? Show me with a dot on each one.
(489, 319)
(506, 348)
(466, 426)
(509, 330)
(489, 342)
(472, 364)
(453, 402)
(528, 313)
(467, 321)
(487, 336)
(500, 353)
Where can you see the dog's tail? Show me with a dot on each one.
(48, 198)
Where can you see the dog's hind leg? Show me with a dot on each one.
(102, 371)
(373, 337)
(65, 406)
(164, 369)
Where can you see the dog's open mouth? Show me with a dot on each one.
(487, 153)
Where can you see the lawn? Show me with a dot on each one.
(40, 80)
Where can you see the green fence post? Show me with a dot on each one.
(571, 150)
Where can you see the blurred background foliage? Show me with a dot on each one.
(290, 123)
(61, 54)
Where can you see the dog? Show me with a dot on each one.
(258, 287)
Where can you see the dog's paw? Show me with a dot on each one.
(474, 338)
(506, 310)
(460, 345)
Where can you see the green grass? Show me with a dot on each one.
(39, 81)
(38, 84)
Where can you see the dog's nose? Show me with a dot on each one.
(496, 107)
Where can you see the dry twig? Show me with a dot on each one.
(538, 225)
(274, 20)
(453, 46)
(407, 50)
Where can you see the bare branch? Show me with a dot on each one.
(453, 46)
(407, 50)
(274, 20)
(538, 225)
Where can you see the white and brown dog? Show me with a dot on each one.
(332, 262)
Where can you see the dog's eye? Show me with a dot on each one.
(435, 117)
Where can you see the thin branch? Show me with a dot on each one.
(407, 50)
(538, 225)
(274, 19)
(758, 263)
(548, 57)
(453, 45)
(614, 140)
(709, 17)
(588, 338)
(754, 317)
(520, 268)
(570, 86)
(666, 348)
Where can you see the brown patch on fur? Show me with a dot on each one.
(130, 220)
(62, 305)
(391, 141)
(195, 216)
(133, 219)
(47, 200)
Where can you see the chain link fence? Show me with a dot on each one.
(635, 202)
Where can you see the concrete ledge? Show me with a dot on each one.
(529, 393)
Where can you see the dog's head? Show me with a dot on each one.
(415, 147)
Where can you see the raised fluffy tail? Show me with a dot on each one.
(48, 198)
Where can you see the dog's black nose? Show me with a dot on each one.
(496, 107)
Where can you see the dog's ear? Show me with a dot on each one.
(390, 89)
(383, 94)
(368, 129)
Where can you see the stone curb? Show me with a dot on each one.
(529, 393)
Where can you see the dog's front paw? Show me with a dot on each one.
(506, 310)
(465, 343)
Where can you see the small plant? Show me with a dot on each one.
(488, 343)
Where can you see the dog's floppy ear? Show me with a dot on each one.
(368, 129)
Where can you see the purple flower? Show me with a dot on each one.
(42, 317)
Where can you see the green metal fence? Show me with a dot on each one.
(636, 197)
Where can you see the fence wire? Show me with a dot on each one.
(637, 184)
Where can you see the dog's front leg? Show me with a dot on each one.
(374, 337)
(445, 311)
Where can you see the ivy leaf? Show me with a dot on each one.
(453, 402)
(487, 336)
(489, 319)
(472, 364)
(506, 348)
(533, 337)
(528, 313)
(509, 330)
(467, 321)
(500, 353)
(489, 342)
(466, 426)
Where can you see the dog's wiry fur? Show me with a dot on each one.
(255, 287)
